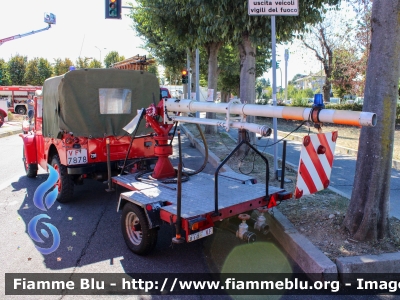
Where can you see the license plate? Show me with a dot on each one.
(200, 234)
(77, 156)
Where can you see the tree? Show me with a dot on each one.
(45, 70)
(153, 69)
(362, 9)
(82, 63)
(333, 32)
(16, 69)
(62, 66)
(111, 58)
(367, 217)
(4, 76)
(94, 63)
(31, 76)
(164, 42)
(295, 77)
(346, 68)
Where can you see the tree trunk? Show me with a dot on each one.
(247, 94)
(212, 51)
(326, 88)
(192, 54)
(368, 213)
(328, 66)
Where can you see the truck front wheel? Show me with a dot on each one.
(30, 169)
(135, 229)
(65, 183)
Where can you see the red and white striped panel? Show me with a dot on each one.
(315, 166)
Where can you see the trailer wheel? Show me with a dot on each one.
(65, 183)
(30, 169)
(135, 229)
(21, 110)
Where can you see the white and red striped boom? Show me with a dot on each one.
(355, 118)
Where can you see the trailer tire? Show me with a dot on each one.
(30, 169)
(65, 183)
(21, 110)
(135, 228)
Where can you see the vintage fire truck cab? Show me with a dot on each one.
(78, 127)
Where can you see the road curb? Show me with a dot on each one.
(312, 260)
(11, 132)
(388, 263)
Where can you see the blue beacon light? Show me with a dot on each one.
(318, 101)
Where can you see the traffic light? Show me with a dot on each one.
(113, 9)
(184, 76)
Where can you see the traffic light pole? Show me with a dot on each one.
(189, 85)
(197, 79)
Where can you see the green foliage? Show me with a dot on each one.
(82, 63)
(4, 75)
(16, 69)
(62, 66)
(94, 63)
(45, 70)
(111, 58)
(32, 72)
(153, 69)
(259, 89)
(345, 70)
(229, 76)
(297, 76)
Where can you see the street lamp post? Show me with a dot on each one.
(100, 51)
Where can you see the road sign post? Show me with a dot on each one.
(274, 8)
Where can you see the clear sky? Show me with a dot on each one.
(81, 27)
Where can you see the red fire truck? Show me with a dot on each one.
(17, 96)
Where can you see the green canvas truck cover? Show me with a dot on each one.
(96, 103)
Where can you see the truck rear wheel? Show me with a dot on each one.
(21, 110)
(65, 183)
(30, 169)
(135, 229)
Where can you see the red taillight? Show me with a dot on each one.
(200, 223)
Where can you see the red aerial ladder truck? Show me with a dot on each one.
(49, 18)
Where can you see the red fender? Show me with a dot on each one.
(30, 148)
(4, 113)
(3, 117)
